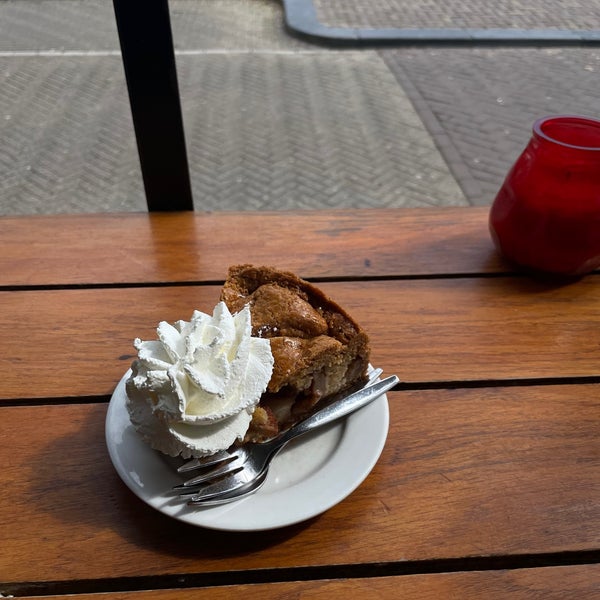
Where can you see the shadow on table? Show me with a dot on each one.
(60, 488)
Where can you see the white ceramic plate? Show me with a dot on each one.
(308, 477)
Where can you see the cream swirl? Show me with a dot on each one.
(192, 392)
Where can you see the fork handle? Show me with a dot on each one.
(340, 408)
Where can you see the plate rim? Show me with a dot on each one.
(117, 424)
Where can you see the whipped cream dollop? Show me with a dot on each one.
(192, 392)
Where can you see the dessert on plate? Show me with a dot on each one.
(318, 349)
(274, 347)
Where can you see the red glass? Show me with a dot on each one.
(546, 216)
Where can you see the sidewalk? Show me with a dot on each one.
(274, 122)
(514, 21)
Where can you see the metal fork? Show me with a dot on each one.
(249, 463)
(226, 455)
(224, 459)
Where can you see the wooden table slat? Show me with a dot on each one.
(65, 343)
(465, 473)
(553, 583)
(484, 467)
(141, 248)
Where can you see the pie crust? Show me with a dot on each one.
(319, 350)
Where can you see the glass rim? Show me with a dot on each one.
(537, 129)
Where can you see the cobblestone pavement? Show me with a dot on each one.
(424, 14)
(271, 121)
(480, 103)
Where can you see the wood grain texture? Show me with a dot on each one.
(555, 583)
(64, 343)
(134, 248)
(465, 473)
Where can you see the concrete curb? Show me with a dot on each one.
(301, 20)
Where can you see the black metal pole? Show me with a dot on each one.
(149, 59)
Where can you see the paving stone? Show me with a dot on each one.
(273, 122)
(264, 131)
(67, 138)
(89, 25)
(486, 100)
(462, 14)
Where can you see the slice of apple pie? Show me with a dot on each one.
(319, 350)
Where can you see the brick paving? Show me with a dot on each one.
(273, 122)
(480, 103)
(424, 14)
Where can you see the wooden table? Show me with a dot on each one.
(489, 483)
